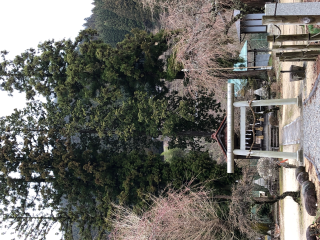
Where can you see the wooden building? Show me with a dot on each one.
(251, 23)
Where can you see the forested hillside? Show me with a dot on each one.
(113, 19)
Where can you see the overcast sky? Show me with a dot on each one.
(25, 23)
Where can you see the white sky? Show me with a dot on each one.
(25, 23)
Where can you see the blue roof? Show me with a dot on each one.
(243, 54)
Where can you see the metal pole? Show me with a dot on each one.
(271, 154)
(230, 127)
(285, 101)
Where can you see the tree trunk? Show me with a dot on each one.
(274, 199)
(195, 134)
(262, 200)
(241, 74)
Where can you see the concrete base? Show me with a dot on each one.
(300, 157)
(299, 101)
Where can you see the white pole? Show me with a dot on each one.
(232, 68)
(230, 129)
(269, 102)
(270, 154)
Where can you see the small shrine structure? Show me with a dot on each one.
(237, 151)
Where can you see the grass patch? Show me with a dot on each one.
(313, 30)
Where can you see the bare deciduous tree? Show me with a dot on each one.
(178, 215)
(242, 199)
(198, 39)
(203, 37)
(194, 213)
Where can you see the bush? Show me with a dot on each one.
(180, 214)
(313, 30)
(173, 153)
(200, 168)
(264, 210)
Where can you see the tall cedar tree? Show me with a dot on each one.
(85, 181)
(112, 91)
(116, 93)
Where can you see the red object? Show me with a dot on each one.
(284, 160)
(279, 163)
(220, 136)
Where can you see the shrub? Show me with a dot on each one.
(313, 30)
(173, 153)
(179, 214)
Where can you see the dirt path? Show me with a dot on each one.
(294, 220)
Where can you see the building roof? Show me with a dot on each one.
(221, 136)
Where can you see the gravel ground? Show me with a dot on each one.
(311, 126)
